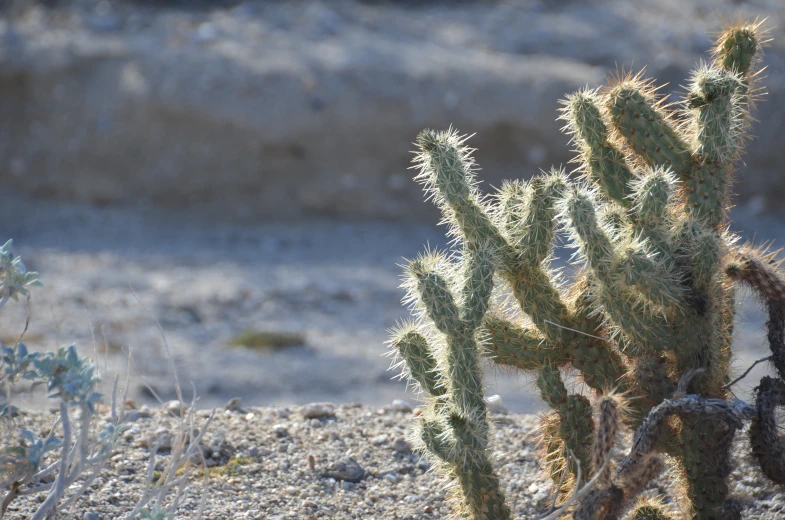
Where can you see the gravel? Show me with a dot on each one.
(336, 467)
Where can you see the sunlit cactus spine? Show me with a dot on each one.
(647, 322)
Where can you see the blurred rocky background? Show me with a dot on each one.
(238, 170)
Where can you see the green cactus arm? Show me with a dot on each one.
(601, 161)
(428, 288)
(717, 112)
(463, 371)
(418, 359)
(652, 194)
(552, 387)
(579, 213)
(641, 327)
(466, 460)
(477, 286)
(593, 355)
(656, 280)
(526, 349)
(707, 191)
(632, 266)
(651, 381)
(652, 201)
(737, 47)
(700, 250)
(533, 234)
(600, 367)
(436, 442)
(576, 425)
(467, 392)
(470, 437)
(510, 207)
(482, 498)
(538, 298)
(446, 171)
(616, 221)
(646, 128)
(577, 428)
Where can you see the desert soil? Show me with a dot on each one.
(350, 462)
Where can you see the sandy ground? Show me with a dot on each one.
(109, 274)
(277, 464)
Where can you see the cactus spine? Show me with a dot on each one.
(647, 322)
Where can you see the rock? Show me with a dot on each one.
(135, 415)
(219, 451)
(399, 405)
(175, 408)
(234, 405)
(161, 437)
(256, 452)
(345, 469)
(423, 465)
(91, 516)
(280, 431)
(318, 411)
(379, 439)
(401, 445)
(496, 405)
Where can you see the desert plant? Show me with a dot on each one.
(27, 466)
(647, 321)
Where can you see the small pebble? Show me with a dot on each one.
(233, 405)
(345, 469)
(162, 438)
(175, 407)
(318, 411)
(496, 405)
(401, 445)
(399, 405)
(379, 439)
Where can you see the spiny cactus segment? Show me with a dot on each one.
(453, 296)
(647, 322)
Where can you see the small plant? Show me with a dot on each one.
(14, 278)
(267, 340)
(29, 465)
(647, 321)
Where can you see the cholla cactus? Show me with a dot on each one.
(455, 429)
(647, 322)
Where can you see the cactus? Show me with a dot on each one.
(455, 428)
(647, 321)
